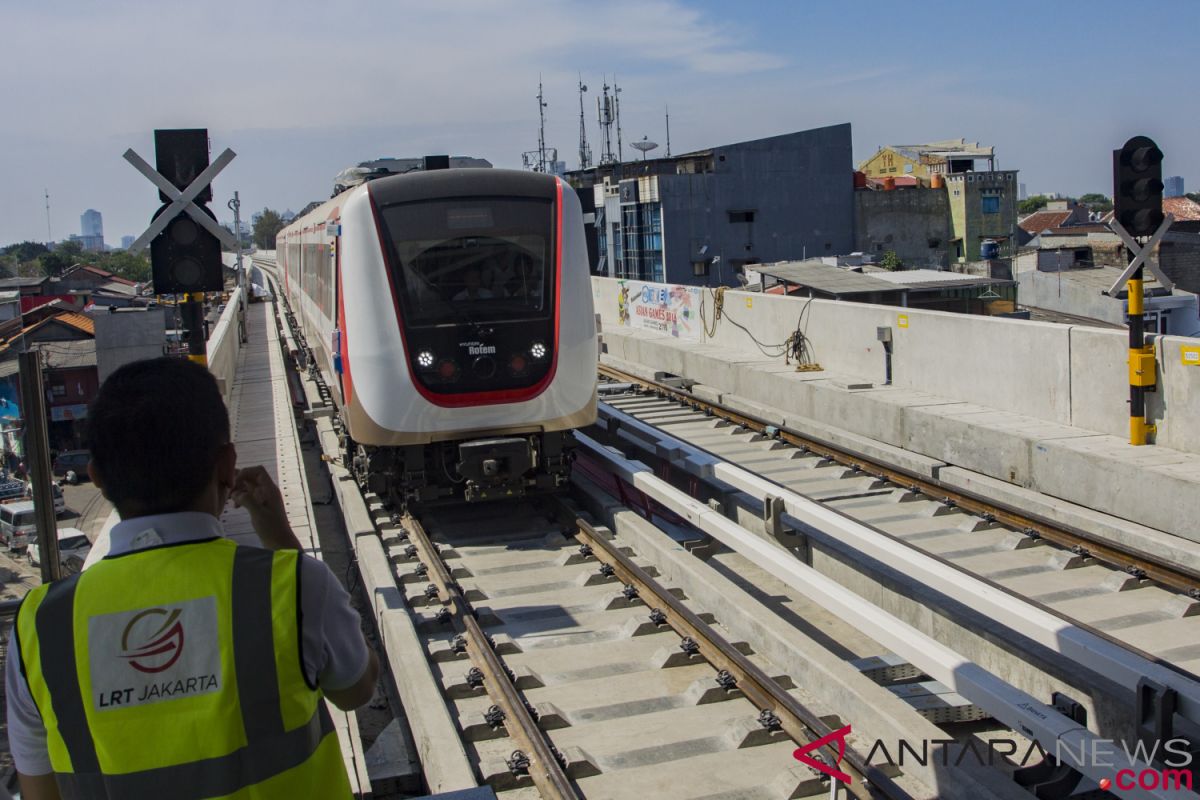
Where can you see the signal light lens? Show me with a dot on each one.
(538, 350)
(448, 370)
(517, 364)
(425, 359)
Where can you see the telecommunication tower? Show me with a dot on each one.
(606, 114)
(585, 152)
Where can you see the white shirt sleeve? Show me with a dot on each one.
(334, 651)
(26, 733)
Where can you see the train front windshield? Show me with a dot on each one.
(472, 261)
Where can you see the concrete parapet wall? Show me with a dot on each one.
(224, 344)
(1065, 374)
(1036, 405)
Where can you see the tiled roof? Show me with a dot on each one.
(1041, 220)
(1185, 209)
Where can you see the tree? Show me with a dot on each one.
(1032, 204)
(25, 251)
(266, 228)
(1096, 201)
(891, 261)
(54, 262)
(131, 266)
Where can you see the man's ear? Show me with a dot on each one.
(227, 465)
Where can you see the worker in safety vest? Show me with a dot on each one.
(182, 665)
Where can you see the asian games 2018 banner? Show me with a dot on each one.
(670, 310)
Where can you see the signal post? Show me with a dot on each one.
(184, 237)
(1138, 219)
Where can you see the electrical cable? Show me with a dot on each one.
(796, 347)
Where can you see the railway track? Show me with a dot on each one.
(1138, 599)
(574, 647)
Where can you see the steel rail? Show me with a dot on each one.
(1127, 559)
(1005, 702)
(545, 770)
(798, 722)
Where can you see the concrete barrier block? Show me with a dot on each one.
(866, 447)
(1106, 527)
(1157, 487)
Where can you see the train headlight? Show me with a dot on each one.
(538, 351)
(425, 359)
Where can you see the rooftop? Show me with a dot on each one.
(1039, 221)
(1185, 209)
(934, 279)
(825, 278)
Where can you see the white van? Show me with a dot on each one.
(18, 524)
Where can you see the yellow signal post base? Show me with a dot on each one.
(1139, 431)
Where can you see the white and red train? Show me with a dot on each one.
(451, 313)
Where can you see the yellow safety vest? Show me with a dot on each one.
(175, 672)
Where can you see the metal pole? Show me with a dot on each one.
(243, 284)
(37, 455)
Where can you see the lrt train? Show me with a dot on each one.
(451, 314)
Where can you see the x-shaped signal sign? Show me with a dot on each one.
(182, 201)
(1141, 255)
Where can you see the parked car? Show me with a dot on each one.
(73, 549)
(72, 461)
(18, 524)
(60, 503)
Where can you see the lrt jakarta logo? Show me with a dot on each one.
(817, 762)
(153, 640)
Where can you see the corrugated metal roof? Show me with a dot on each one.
(824, 278)
(934, 279)
(80, 322)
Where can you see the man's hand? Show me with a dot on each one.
(254, 490)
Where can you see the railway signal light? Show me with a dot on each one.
(185, 256)
(1138, 186)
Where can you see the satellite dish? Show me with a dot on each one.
(645, 145)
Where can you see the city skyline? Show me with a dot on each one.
(469, 89)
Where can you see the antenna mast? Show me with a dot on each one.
(668, 131)
(604, 112)
(585, 152)
(541, 129)
(49, 236)
(617, 106)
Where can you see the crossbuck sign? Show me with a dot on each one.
(1141, 255)
(182, 202)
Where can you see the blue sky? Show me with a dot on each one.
(302, 89)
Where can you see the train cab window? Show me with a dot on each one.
(487, 258)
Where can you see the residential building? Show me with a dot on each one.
(67, 342)
(1173, 186)
(1056, 214)
(700, 218)
(925, 160)
(953, 205)
(912, 222)
(126, 242)
(983, 206)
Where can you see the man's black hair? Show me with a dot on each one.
(155, 431)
